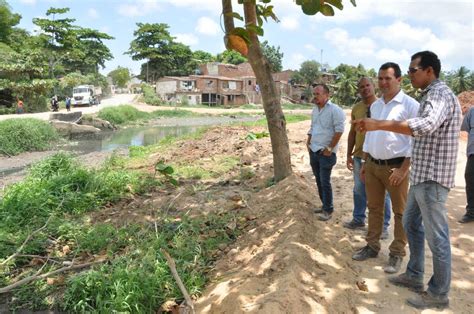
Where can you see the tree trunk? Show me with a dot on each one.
(270, 97)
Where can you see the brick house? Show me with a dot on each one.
(220, 84)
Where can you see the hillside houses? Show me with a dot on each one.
(219, 84)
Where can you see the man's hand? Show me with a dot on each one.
(364, 125)
(350, 163)
(397, 176)
(326, 153)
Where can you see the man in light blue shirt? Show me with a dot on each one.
(327, 126)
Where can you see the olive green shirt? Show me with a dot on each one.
(359, 111)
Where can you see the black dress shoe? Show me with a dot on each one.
(365, 253)
(466, 218)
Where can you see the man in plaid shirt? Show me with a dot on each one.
(435, 146)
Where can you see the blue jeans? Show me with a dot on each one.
(426, 215)
(322, 167)
(360, 199)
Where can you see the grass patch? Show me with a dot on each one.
(290, 118)
(141, 281)
(24, 135)
(121, 114)
(126, 114)
(58, 186)
(290, 106)
(207, 169)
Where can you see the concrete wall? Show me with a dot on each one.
(166, 87)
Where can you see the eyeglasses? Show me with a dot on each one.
(413, 70)
(368, 112)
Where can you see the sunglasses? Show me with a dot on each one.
(368, 112)
(413, 70)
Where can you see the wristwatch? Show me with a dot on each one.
(329, 148)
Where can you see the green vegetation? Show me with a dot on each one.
(22, 135)
(206, 170)
(290, 118)
(125, 114)
(32, 64)
(67, 199)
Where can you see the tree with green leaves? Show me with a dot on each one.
(71, 47)
(230, 57)
(460, 80)
(7, 21)
(273, 55)
(346, 88)
(120, 76)
(164, 56)
(245, 40)
(310, 71)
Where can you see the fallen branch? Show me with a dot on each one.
(174, 272)
(51, 273)
(25, 242)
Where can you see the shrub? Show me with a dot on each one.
(22, 135)
(150, 97)
(121, 114)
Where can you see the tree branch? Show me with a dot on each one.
(24, 243)
(174, 272)
(227, 14)
(51, 273)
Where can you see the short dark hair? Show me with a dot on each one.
(364, 78)
(394, 66)
(324, 86)
(428, 59)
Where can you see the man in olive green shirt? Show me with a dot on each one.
(355, 154)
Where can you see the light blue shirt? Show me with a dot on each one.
(468, 126)
(325, 123)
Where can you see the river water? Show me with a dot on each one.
(109, 141)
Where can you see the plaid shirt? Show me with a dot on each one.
(436, 132)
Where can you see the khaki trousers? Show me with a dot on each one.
(376, 183)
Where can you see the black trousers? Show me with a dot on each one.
(469, 177)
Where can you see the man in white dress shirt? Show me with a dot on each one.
(386, 168)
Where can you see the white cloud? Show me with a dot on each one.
(295, 61)
(140, 8)
(207, 26)
(28, 2)
(92, 13)
(390, 55)
(289, 23)
(312, 48)
(130, 10)
(357, 47)
(402, 34)
(201, 5)
(455, 40)
(187, 39)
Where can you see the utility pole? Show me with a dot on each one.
(321, 57)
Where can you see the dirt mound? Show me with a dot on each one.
(285, 262)
(466, 98)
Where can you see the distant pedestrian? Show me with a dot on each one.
(468, 126)
(54, 103)
(19, 106)
(68, 103)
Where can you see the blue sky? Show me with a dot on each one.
(374, 32)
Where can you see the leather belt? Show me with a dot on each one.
(387, 162)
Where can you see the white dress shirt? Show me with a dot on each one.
(384, 144)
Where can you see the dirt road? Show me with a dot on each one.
(115, 100)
